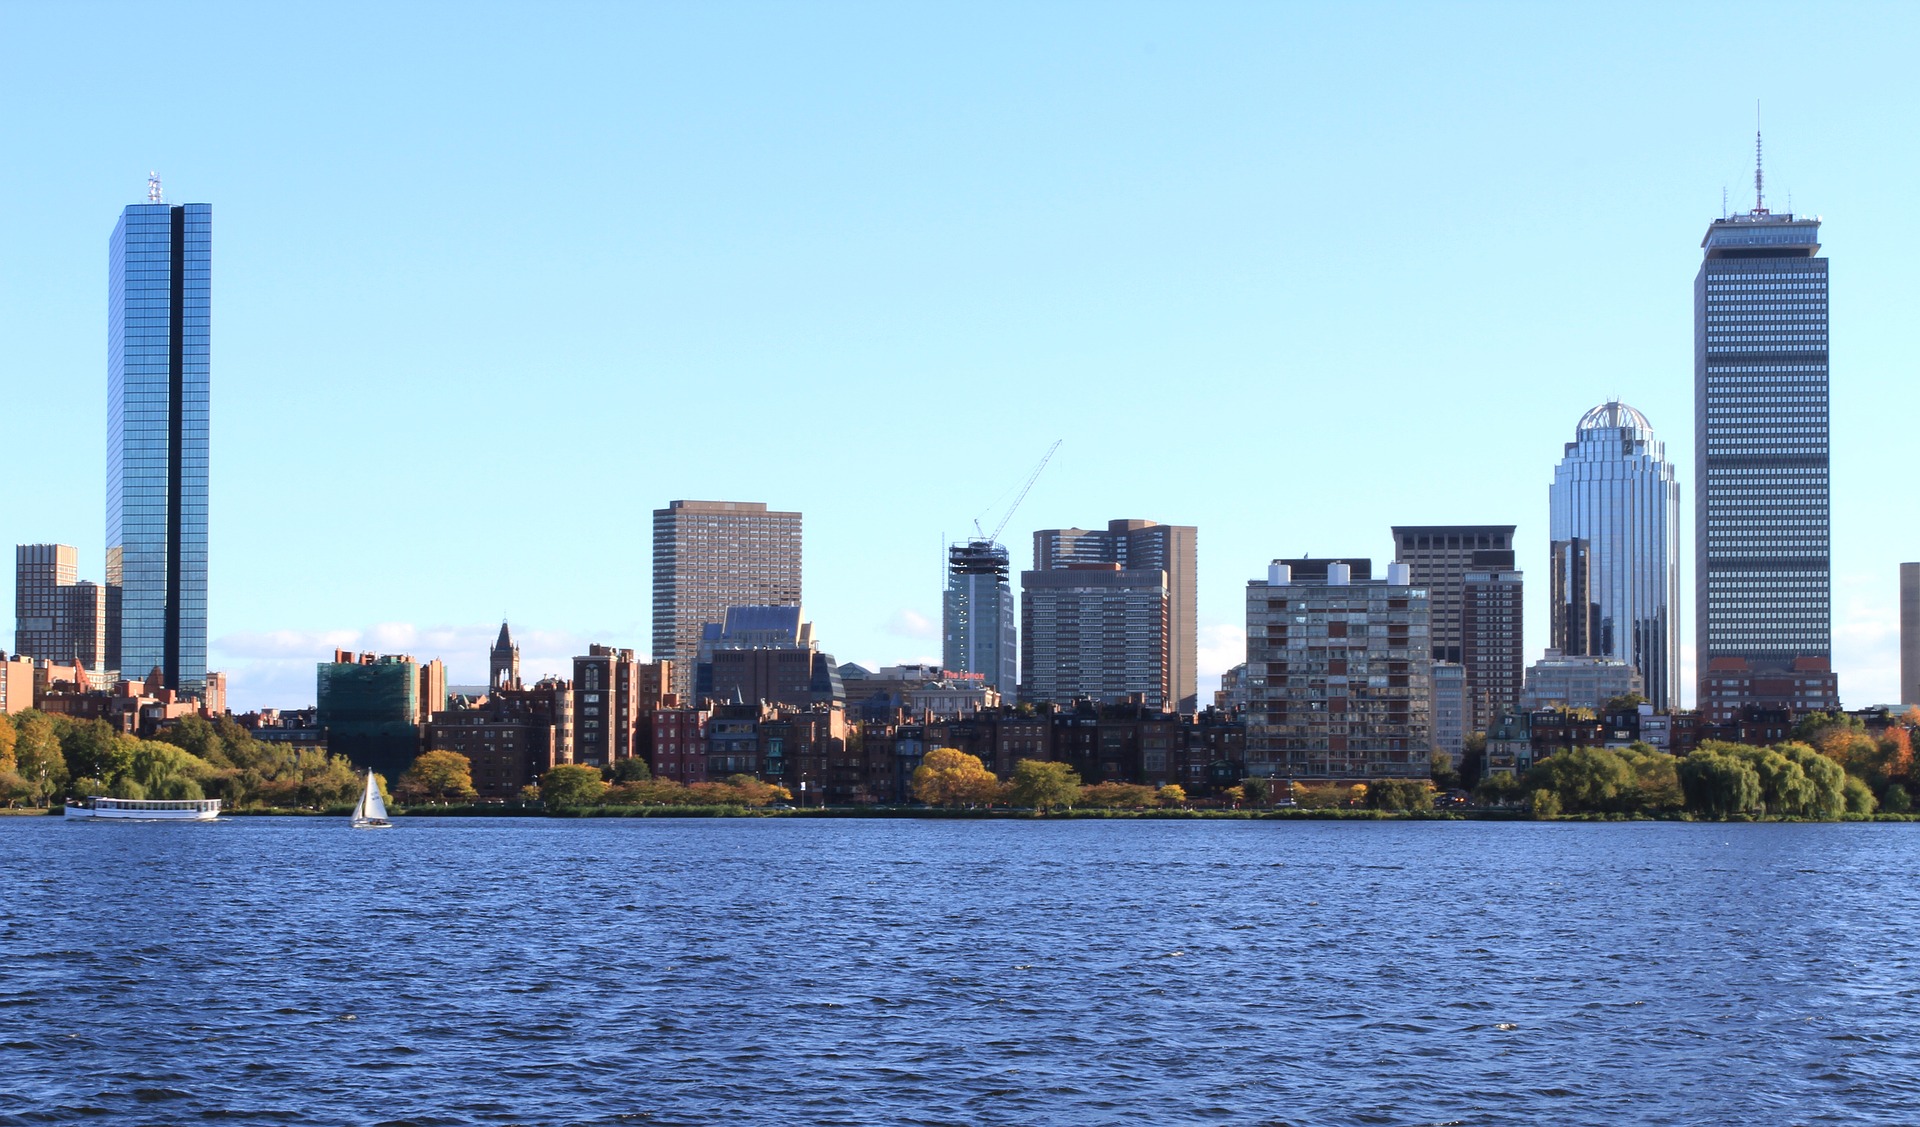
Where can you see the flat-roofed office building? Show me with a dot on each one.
(1762, 557)
(709, 556)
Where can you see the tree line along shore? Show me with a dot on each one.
(1830, 769)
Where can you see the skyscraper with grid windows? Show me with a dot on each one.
(159, 261)
(710, 556)
(1762, 564)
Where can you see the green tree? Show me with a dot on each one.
(1858, 798)
(1586, 780)
(1473, 760)
(632, 769)
(38, 759)
(438, 776)
(1044, 785)
(1544, 804)
(162, 770)
(1440, 770)
(570, 787)
(1625, 702)
(1656, 775)
(1258, 789)
(1895, 801)
(1500, 789)
(1399, 794)
(1718, 784)
(93, 748)
(196, 735)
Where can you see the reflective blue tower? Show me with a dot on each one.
(1614, 509)
(159, 261)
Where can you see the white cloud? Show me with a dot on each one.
(1866, 639)
(912, 624)
(1223, 645)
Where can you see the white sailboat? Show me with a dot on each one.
(370, 813)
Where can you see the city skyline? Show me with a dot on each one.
(343, 371)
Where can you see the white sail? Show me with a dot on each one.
(370, 807)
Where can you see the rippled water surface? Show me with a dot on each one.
(837, 972)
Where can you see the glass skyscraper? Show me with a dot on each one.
(1761, 561)
(979, 616)
(158, 261)
(1614, 515)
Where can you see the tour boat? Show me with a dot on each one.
(147, 809)
(370, 813)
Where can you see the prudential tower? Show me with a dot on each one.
(1762, 561)
(1614, 510)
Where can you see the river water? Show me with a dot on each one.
(456, 971)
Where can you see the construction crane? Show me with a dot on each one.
(994, 537)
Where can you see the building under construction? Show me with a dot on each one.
(979, 615)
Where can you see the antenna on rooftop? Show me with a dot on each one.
(1759, 176)
(1723, 201)
(153, 188)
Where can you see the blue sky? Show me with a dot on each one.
(493, 282)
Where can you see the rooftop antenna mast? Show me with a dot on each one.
(1759, 176)
(153, 188)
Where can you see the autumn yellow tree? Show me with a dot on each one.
(948, 776)
(1173, 794)
(438, 776)
(1117, 796)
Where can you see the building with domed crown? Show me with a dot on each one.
(1614, 518)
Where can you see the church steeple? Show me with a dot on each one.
(504, 662)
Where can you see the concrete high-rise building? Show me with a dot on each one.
(1492, 643)
(57, 615)
(712, 555)
(978, 615)
(1097, 631)
(1134, 545)
(1614, 515)
(1762, 561)
(159, 265)
(1440, 558)
(1910, 633)
(1339, 668)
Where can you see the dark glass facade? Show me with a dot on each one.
(159, 262)
(980, 616)
(1762, 564)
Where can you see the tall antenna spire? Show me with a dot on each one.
(153, 188)
(1759, 175)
